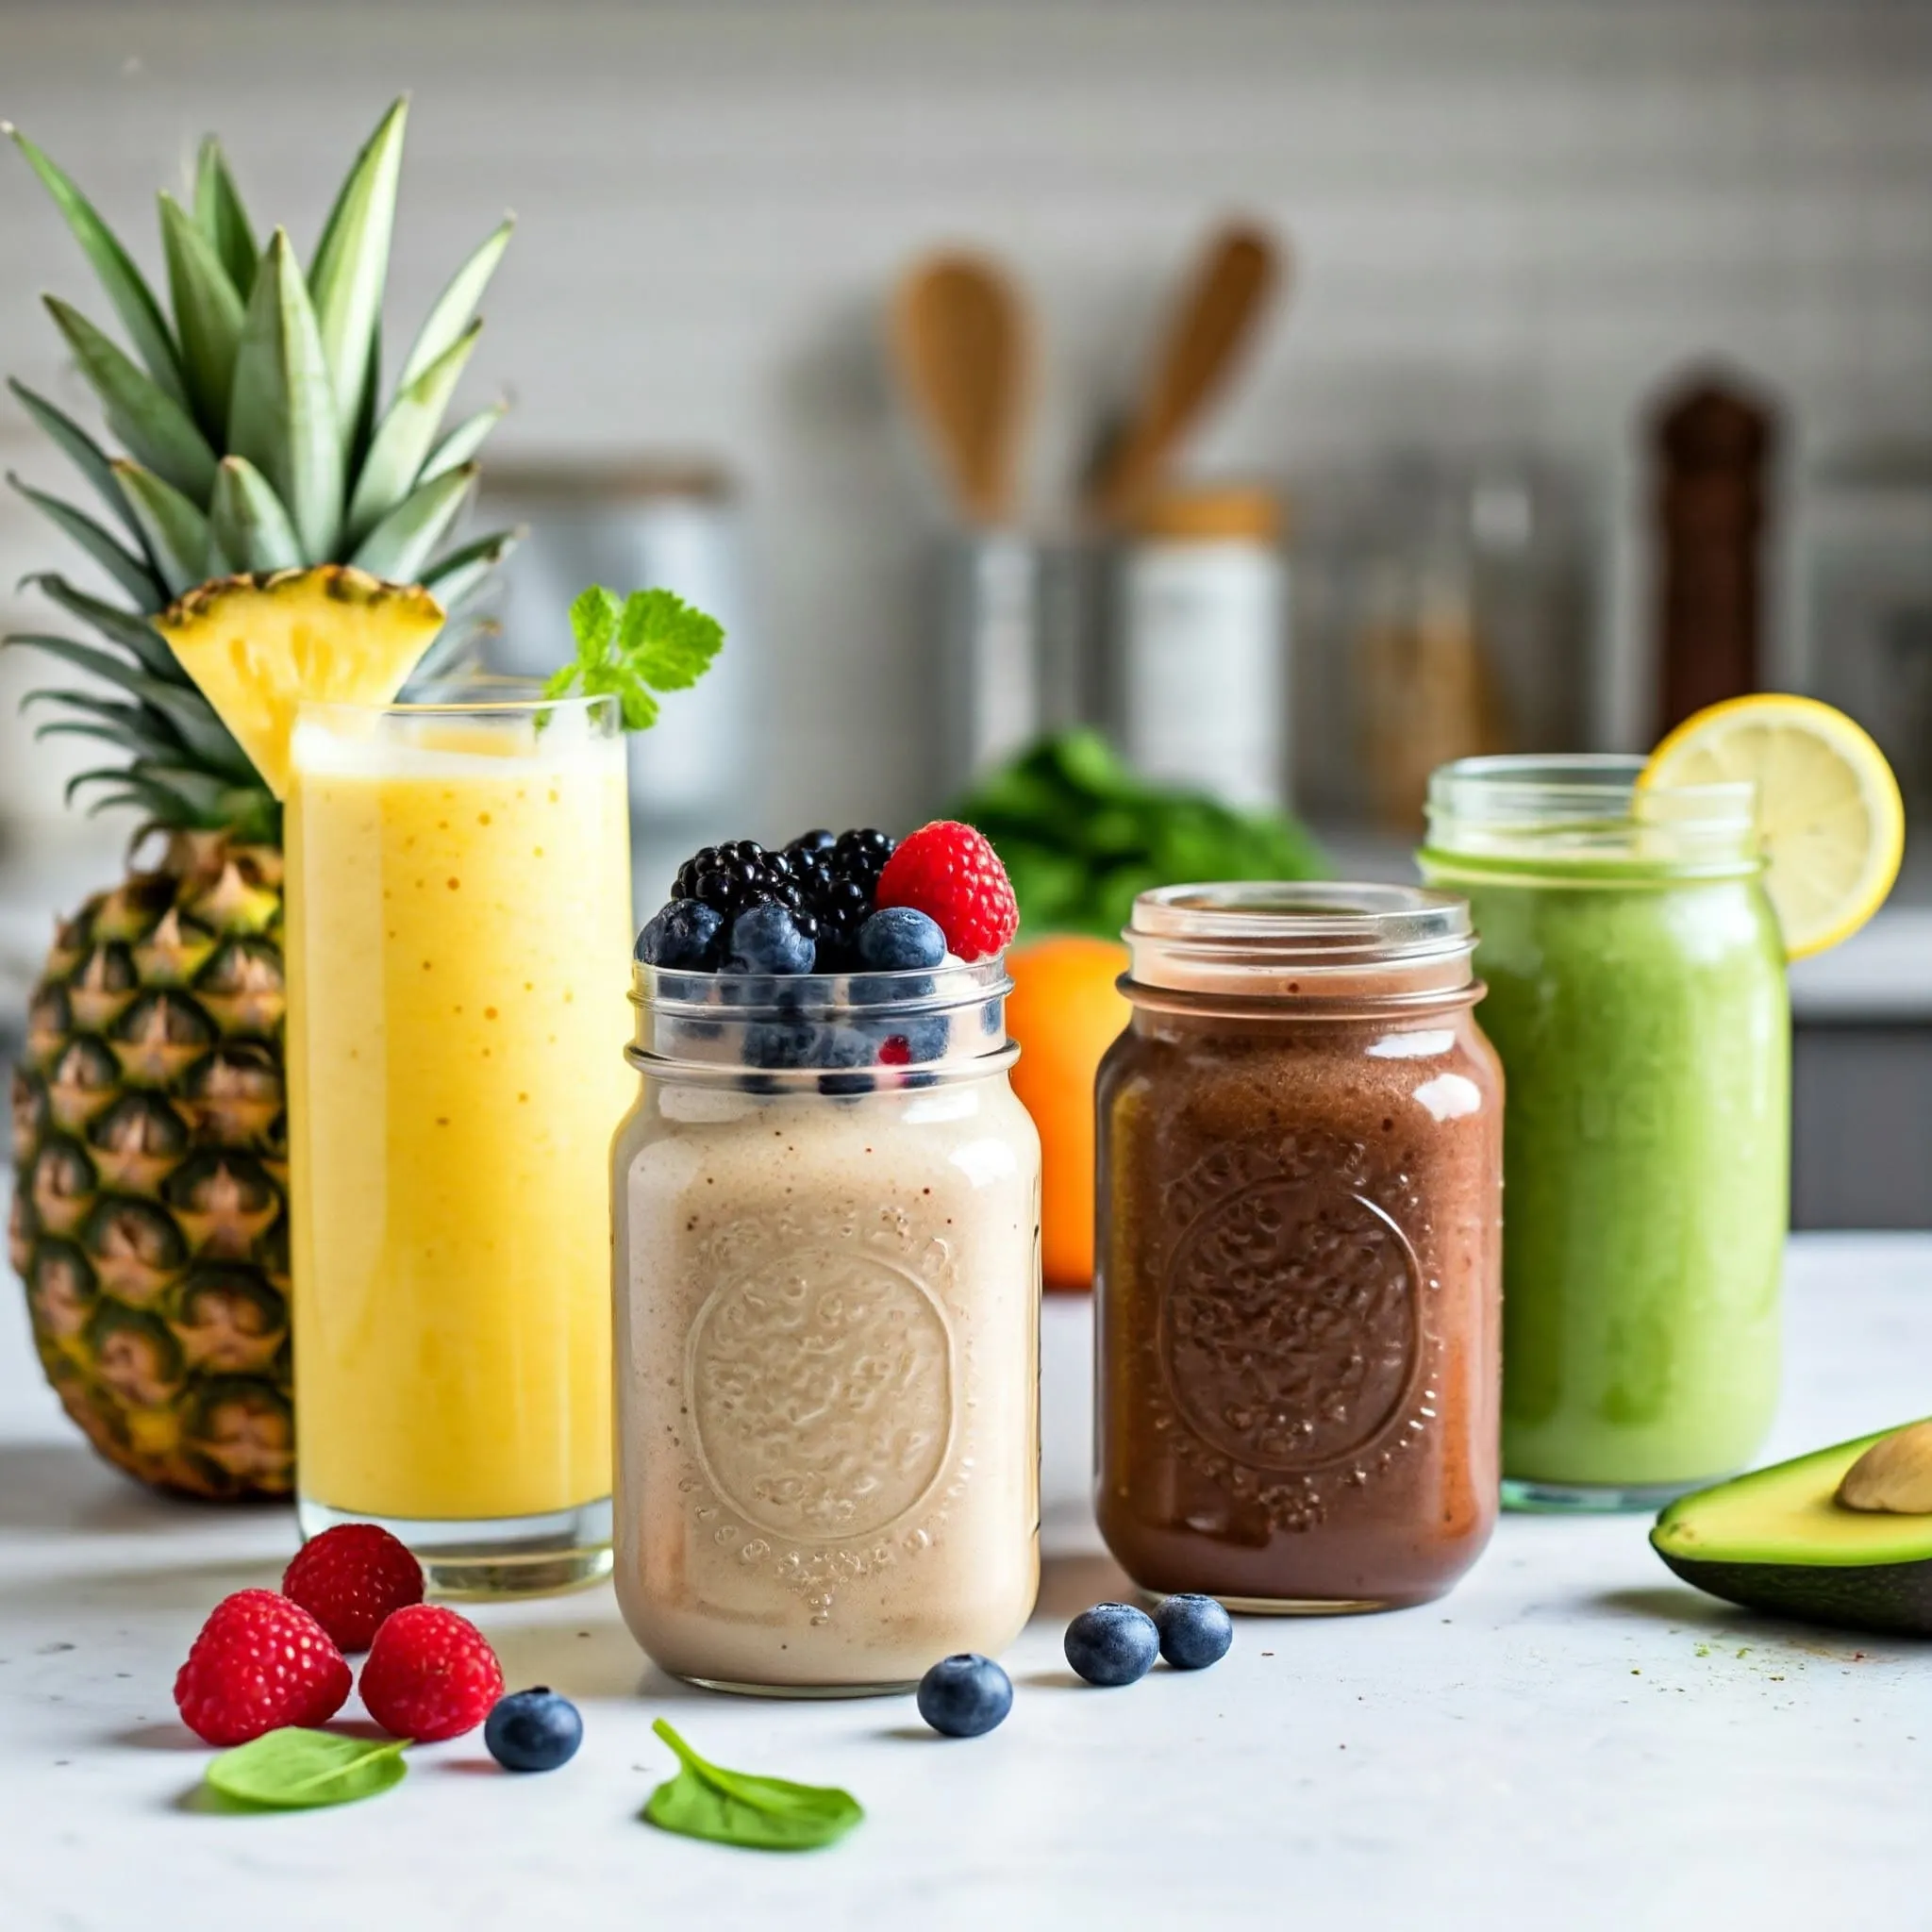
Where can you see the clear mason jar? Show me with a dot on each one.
(1298, 1252)
(828, 1328)
(1637, 997)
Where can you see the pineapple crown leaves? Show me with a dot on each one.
(254, 438)
(651, 640)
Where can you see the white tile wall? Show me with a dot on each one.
(1509, 219)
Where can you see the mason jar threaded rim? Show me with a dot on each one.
(778, 1031)
(1298, 942)
(1587, 811)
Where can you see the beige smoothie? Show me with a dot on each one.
(828, 1362)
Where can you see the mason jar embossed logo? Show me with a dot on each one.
(1290, 1329)
(821, 1387)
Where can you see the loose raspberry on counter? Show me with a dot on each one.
(259, 1662)
(430, 1674)
(351, 1578)
(951, 873)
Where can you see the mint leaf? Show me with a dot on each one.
(735, 1807)
(593, 617)
(294, 1769)
(651, 640)
(670, 643)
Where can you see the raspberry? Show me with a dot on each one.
(351, 1578)
(430, 1674)
(950, 873)
(259, 1662)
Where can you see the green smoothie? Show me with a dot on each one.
(1637, 996)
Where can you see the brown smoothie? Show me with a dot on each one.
(1299, 1296)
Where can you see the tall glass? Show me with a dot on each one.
(458, 893)
(1637, 996)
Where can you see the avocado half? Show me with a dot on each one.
(1778, 1539)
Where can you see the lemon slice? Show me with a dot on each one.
(1829, 816)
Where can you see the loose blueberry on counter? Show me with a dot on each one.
(766, 939)
(533, 1730)
(900, 939)
(965, 1696)
(1112, 1645)
(682, 936)
(1195, 1631)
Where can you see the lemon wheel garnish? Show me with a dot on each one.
(1830, 820)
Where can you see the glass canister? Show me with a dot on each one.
(1298, 1261)
(1637, 997)
(828, 1333)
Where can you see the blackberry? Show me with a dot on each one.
(839, 879)
(733, 877)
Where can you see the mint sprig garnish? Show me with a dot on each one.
(630, 647)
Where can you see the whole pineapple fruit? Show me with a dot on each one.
(278, 540)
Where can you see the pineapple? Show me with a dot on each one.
(280, 538)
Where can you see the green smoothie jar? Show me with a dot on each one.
(1637, 997)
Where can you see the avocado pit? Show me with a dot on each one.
(1894, 1475)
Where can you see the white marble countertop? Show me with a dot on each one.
(1571, 1740)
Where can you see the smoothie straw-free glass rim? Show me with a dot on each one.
(1333, 948)
(1588, 807)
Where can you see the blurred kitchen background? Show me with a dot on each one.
(1478, 376)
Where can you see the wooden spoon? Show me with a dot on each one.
(1211, 328)
(961, 346)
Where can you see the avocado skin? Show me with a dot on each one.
(1892, 1598)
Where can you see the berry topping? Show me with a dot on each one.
(260, 1662)
(683, 936)
(840, 879)
(430, 1674)
(351, 1578)
(950, 873)
(965, 1696)
(733, 877)
(533, 1730)
(768, 938)
(1195, 1631)
(1110, 1645)
(900, 939)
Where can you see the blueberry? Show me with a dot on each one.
(1112, 1645)
(682, 936)
(780, 1043)
(965, 1696)
(901, 938)
(533, 1730)
(1195, 1631)
(766, 939)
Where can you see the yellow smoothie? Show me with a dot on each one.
(459, 937)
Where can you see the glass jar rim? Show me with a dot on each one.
(1560, 787)
(497, 695)
(1318, 922)
(1587, 815)
(839, 1033)
(732, 997)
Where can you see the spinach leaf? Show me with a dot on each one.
(734, 1807)
(293, 1769)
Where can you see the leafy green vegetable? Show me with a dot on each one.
(293, 1769)
(768, 1814)
(1081, 835)
(630, 647)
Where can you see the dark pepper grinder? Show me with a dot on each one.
(1714, 442)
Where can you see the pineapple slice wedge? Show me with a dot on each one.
(258, 648)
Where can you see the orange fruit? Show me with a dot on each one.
(1065, 1011)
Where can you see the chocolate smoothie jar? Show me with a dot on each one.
(1298, 1261)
